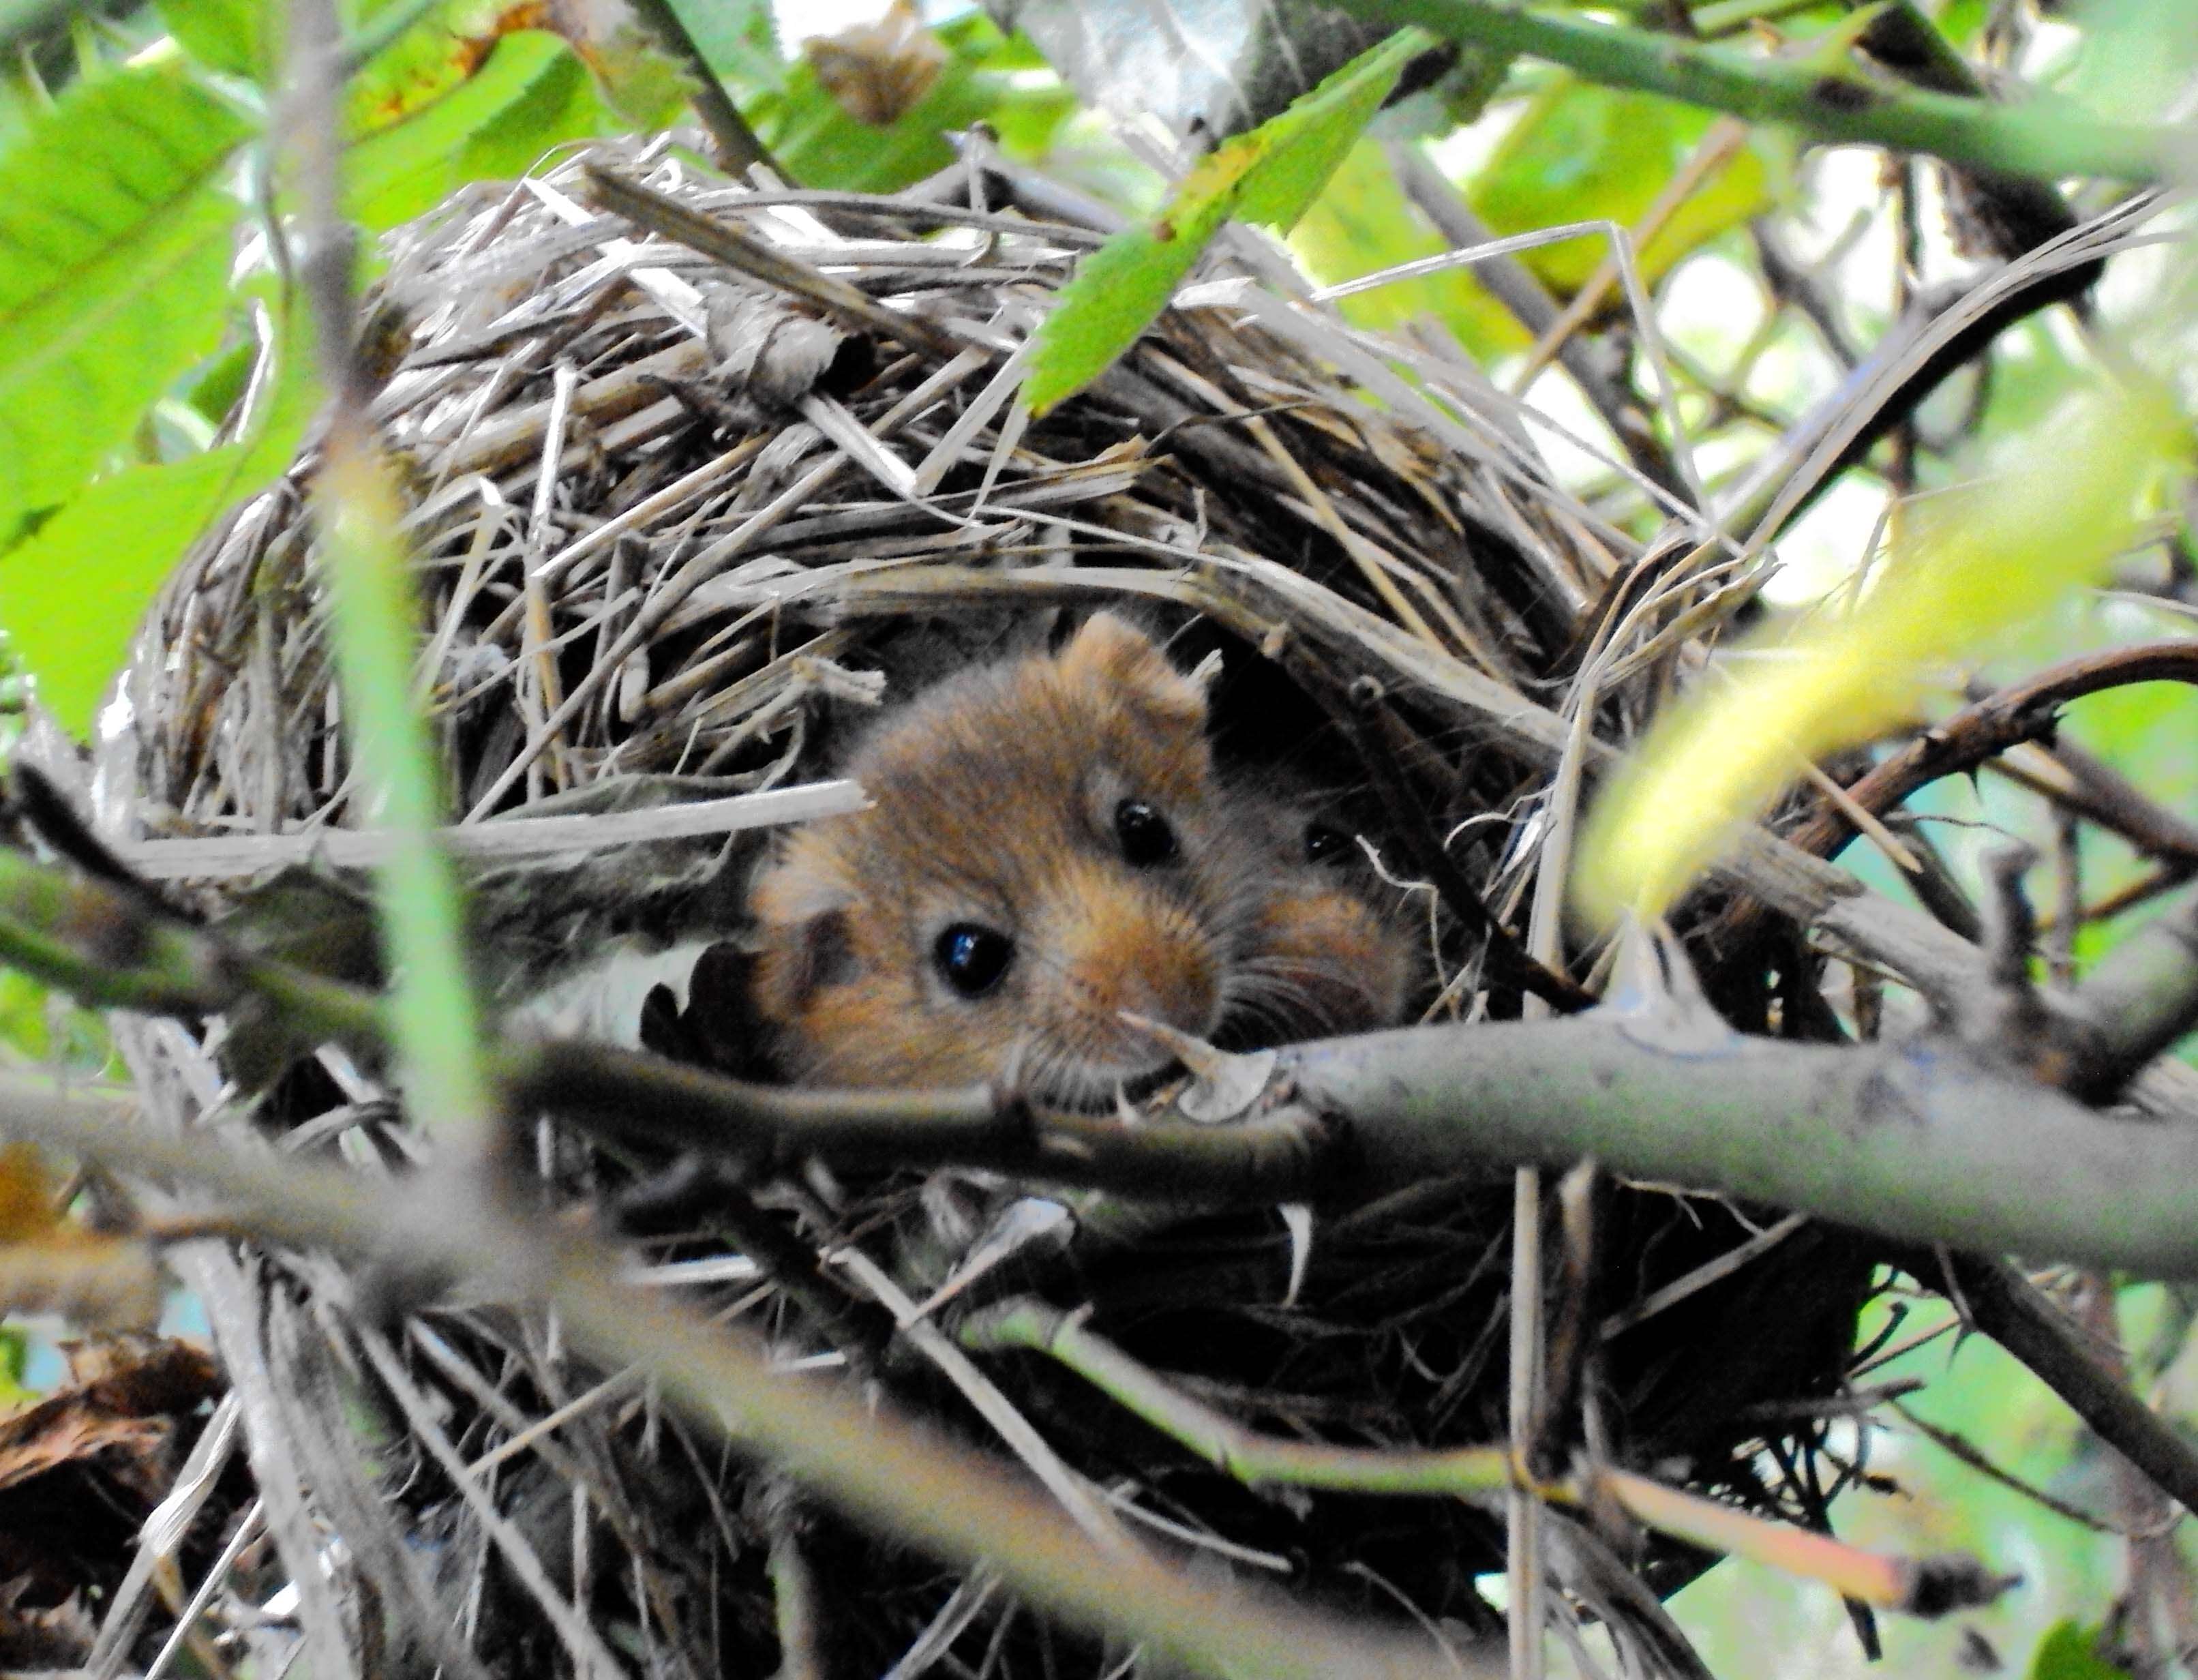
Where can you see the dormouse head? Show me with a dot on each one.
(1323, 950)
(1045, 851)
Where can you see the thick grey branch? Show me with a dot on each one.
(1922, 1141)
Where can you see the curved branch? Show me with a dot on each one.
(1825, 103)
(2025, 710)
(1925, 1587)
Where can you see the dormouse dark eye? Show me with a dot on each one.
(1325, 845)
(1146, 837)
(973, 957)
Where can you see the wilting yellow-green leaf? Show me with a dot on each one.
(2064, 501)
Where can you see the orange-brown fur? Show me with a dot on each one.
(995, 799)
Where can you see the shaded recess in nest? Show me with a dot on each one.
(678, 530)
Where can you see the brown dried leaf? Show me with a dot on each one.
(880, 72)
(96, 1282)
(27, 1195)
(47, 1264)
(42, 1637)
(79, 1473)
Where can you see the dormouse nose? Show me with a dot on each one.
(1131, 950)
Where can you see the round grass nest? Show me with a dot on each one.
(681, 520)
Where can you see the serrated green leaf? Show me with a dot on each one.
(1316, 134)
(1268, 175)
(70, 596)
(394, 174)
(226, 35)
(114, 254)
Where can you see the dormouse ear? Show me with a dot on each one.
(1111, 653)
(802, 959)
(806, 945)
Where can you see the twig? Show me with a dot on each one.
(1924, 1587)
(2025, 710)
(2082, 786)
(1825, 102)
(735, 146)
(1962, 1449)
(669, 218)
(2000, 1302)
(795, 1590)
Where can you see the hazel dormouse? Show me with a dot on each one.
(1049, 849)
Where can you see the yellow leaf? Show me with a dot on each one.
(26, 1195)
(2064, 502)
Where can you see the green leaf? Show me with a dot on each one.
(1963, 20)
(1582, 153)
(2071, 1651)
(15, 1360)
(555, 104)
(114, 254)
(820, 144)
(425, 51)
(637, 84)
(24, 1026)
(1268, 175)
(218, 384)
(522, 102)
(1360, 223)
(72, 595)
(737, 40)
(229, 35)
(40, 1026)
